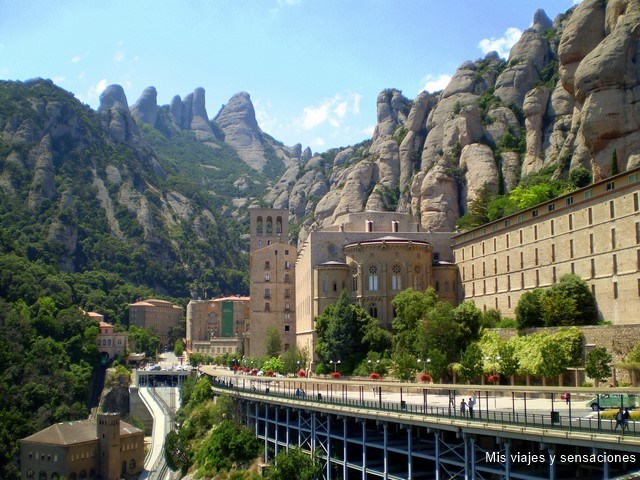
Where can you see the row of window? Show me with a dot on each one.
(287, 307)
(552, 228)
(287, 278)
(267, 293)
(268, 225)
(107, 342)
(287, 263)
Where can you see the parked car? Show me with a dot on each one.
(613, 400)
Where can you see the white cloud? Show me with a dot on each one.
(318, 143)
(58, 79)
(118, 56)
(330, 110)
(286, 3)
(81, 75)
(432, 84)
(75, 59)
(502, 44)
(368, 131)
(265, 120)
(95, 91)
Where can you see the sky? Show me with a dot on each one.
(313, 68)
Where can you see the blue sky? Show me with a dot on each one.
(313, 68)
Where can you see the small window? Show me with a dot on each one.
(569, 201)
(286, 252)
(534, 213)
(633, 177)
(267, 265)
(520, 218)
(612, 209)
(267, 277)
(551, 207)
(610, 186)
(587, 194)
(507, 223)
(287, 328)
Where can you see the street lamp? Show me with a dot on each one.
(426, 362)
(335, 364)
(375, 365)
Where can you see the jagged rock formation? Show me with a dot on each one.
(567, 97)
(146, 108)
(89, 186)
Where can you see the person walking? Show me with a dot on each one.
(619, 421)
(471, 404)
(463, 408)
(625, 419)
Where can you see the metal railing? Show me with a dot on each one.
(554, 420)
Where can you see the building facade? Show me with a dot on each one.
(104, 448)
(159, 316)
(593, 232)
(110, 343)
(272, 280)
(217, 326)
(373, 256)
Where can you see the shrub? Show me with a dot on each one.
(425, 378)
(336, 375)
(301, 373)
(374, 376)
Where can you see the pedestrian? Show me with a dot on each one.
(619, 421)
(472, 404)
(297, 392)
(625, 419)
(567, 397)
(463, 408)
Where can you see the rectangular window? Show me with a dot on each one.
(507, 236)
(267, 293)
(287, 328)
(267, 265)
(571, 248)
(373, 283)
(495, 245)
(484, 272)
(473, 272)
(637, 232)
(509, 282)
(509, 301)
(610, 186)
(521, 259)
(520, 218)
(267, 307)
(553, 275)
(636, 204)
(552, 207)
(573, 268)
(464, 276)
(473, 253)
(495, 266)
(612, 209)
(553, 230)
(484, 287)
(615, 264)
(615, 289)
(537, 278)
(536, 256)
(593, 268)
(495, 285)
(287, 306)
(534, 214)
(267, 277)
(483, 248)
(508, 264)
(590, 213)
(287, 293)
(569, 201)
(587, 195)
(522, 280)
(535, 232)
(613, 238)
(591, 243)
(286, 252)
(520, 236)
(507, 223)
(571, 221)
(553, 252)
(287, 265)
(633, 177)
(287, 278)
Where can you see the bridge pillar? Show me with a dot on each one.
(436, 436)
(385, 429)
(266, 433)
(287, 434)
(328, 429)
(277, 419)
(606, 474)
(344, 449)
(364, 450)
(552, 467)
(409, 456)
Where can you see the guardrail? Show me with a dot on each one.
(553, 420)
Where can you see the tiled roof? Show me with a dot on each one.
(70, 433)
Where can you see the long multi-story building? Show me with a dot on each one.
(373, 256)
(159, 316)
(272, 280)
(103, 447)
(593, 232)
(217, 326)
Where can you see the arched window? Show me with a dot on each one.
(109, 342)
(132, 464)
(269, 225)
(373, 310)
(42, 475)
(83, 474)
(92, 473)
(123, 468)
(30, 473)
(417, 278)
(396, 283)
(373, 278)
(446, 285)
(354, 277)
(279, 225)
(259, 225)
(437, 286)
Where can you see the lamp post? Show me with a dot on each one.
(424, 366)
(375, 365)
(494, 360)
(335, 364)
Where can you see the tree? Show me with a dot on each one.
(572, 286)
(272, 342)
(293, 464)
(615, 169)
(178, 348)
(411, 308)
(528, 310)
(598, 364)
(557, 309)
(471, 363)
(509, 361)
(580, 177)
(176, 451)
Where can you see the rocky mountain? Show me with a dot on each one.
(568, 97)
(86, 190)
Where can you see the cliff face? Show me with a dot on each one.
(567, 97)
(85, 190)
